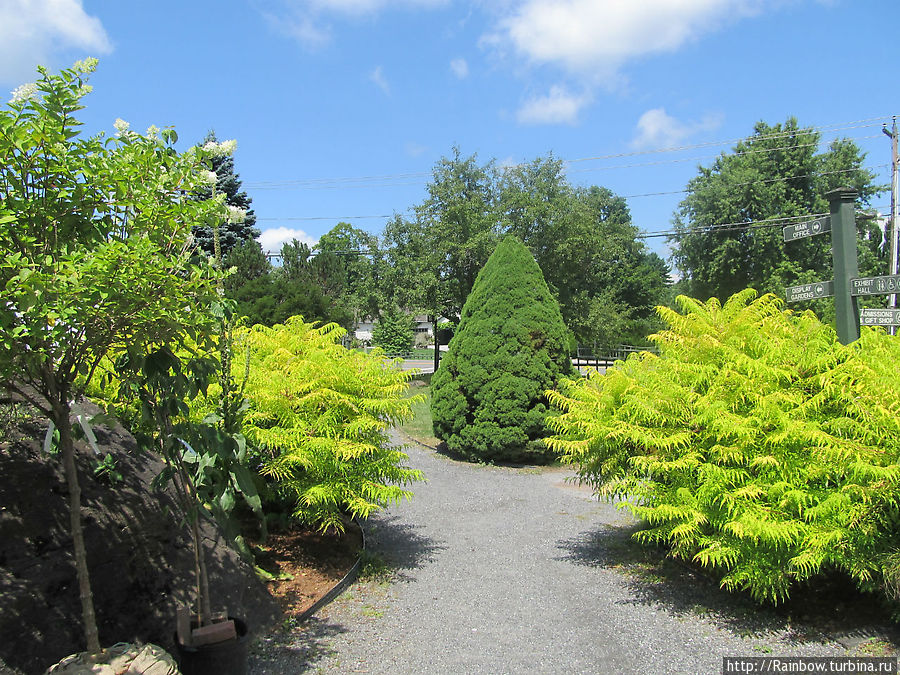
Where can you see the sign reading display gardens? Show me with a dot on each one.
(807, 229)
(875, 285)
(819, 289)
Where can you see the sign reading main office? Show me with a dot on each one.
(807, 229)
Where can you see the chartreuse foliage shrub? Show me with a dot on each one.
(488, 400)
(319, 414)
(755, 444)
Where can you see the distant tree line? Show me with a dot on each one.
(605, 279)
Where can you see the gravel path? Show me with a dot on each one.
(505, 570)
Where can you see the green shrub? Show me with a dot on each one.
(394, 332)
(320, 415)
(488, 394)
(755, 444)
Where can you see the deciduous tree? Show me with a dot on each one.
(95, 254)
(723, 242)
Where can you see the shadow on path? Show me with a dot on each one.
(829, 609)
(401, 544)
(303, 652)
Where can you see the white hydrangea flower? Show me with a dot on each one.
(222, 149)
(209, 178)
(24, 92)
(85, 66)
(235, 214)
(121, 126)
(153, 132)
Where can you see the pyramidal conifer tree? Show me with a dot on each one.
(231, 234)
(488, 396)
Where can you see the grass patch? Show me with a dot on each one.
(420, 427)
(373, 567)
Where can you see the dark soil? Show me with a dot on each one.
(139, 555)
(307, 564)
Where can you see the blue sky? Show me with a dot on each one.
(342, 107)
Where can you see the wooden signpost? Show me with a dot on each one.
(842, 225)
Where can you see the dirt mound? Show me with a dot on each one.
(139, 555)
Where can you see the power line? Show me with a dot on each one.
(759, 182)
(327, 217)
(830, 128)
(732, 227)
(632, 196)
(388, 180)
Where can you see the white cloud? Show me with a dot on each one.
(558, 107)
(460, 68)
(370, 6)
(658, 129)
(302, 28)
(274, 238)
(414, 149)
(600, 35)
(34, 32)
(377, 76)
(307, 20)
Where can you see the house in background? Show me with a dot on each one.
(421, 327)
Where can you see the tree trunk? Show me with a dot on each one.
(64, 425)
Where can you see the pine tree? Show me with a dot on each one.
(510, 347)
(228, 183)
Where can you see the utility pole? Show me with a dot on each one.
(895, 217)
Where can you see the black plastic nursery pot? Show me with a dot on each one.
(220, 658)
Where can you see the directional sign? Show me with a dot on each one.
(807, 229)
(879, 317)
(875, 285)
(820, 289)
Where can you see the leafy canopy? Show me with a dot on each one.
(775, 173)
(95, 255)
(755, 444)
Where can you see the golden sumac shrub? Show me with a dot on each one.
(319, 416)
(488, 401)
(754, 444)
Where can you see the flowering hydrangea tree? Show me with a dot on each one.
(95, 255)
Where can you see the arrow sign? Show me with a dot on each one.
(820, 289)
(807, 229)
(879, 317)
(875, 285)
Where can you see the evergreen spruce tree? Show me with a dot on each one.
(228, 183)
(394, 332)
(488, 396)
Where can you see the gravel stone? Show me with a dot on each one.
(514, 570)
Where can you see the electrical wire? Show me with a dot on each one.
(387, 180)
(732, 227)
(760, 181)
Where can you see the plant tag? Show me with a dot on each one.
(183, 625)
(214, 632)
